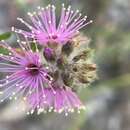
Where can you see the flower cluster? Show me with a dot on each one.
(50, 64)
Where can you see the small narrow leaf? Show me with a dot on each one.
(5, 36)
(33, 46)
(3, 50)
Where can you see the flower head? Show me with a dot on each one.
(46, 27)
(49, 76)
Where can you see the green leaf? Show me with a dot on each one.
(5, 36)
(33, 46)
(4, 50)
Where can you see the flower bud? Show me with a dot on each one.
(67, 79)
(67, 48)
(88, 77)
(83, 79)
(87, 67)
(52, 44)
(49, 54)
(85, 73)
(54, 75)
(82, 56)
(61, 62)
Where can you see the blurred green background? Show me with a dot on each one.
(107, 99)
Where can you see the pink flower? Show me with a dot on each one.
(25, 73)
(46, 27)
(64, 100)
